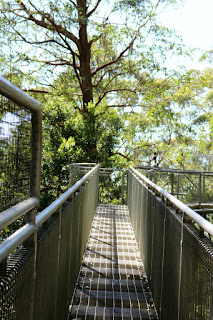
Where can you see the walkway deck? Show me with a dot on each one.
(112, 283)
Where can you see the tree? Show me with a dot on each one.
(69, 34)
(174, 121)
(102, 62)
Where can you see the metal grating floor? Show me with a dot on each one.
(112, 283)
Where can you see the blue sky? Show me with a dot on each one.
(194, 21)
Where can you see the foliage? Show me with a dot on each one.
(105, 92)
(74, 34)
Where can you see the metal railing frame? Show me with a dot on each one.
(82, 168)
(104, 172)
(18, 237)
(201, 186)
(191, 214)
(171, 170)
(28, 233)
(19, 97)
(30, 230)
(143, 208)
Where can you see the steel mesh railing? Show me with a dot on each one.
(42, 288)
(20, 157)
(194, 188)
(112, 182)
(178, 257)
(41, 256)
(190, 186)
(15, 153)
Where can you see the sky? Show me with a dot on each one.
(193, 21)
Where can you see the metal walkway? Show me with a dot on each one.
(112, 283)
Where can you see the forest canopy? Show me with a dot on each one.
(99, 70)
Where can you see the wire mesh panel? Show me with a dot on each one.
(77, 171)
(188, 186)
(15, 153)
(46, 273)
(197, 270)
(20, 157)
(194, 188)
(15, 286)
(171, 272)
(41, 287)
(157, 252)
(60, 251)
(178, 259)
(207, 187)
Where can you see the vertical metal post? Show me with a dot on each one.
(178, 181)
(71, 176)
(200, 191)
(31, 242)
(204, 188)
(172, 183)
(36, 153)
(153, 230)
(180, 266)
(58, 213)
(162, 262)
(156, 177)
(122, 187)
(208, 162)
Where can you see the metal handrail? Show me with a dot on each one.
(12, 92)
(18, 237)
(203, 223)
(22, 99)
(86, 164)
(159, 169)
(10, 215)
(47, 212)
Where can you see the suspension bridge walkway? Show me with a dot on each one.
(83, 257)
(112, 283)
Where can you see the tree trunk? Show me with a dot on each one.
(84, 56)
(90, 149)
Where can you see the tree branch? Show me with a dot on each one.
(37, 91)
(76, 68)
(49, 26)
(113, 90)
(122, 155)
(56, 63)
(126, 106)
(121, 54)
(73, 3)
(129, 45)
(39, 42)
(95, 7)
